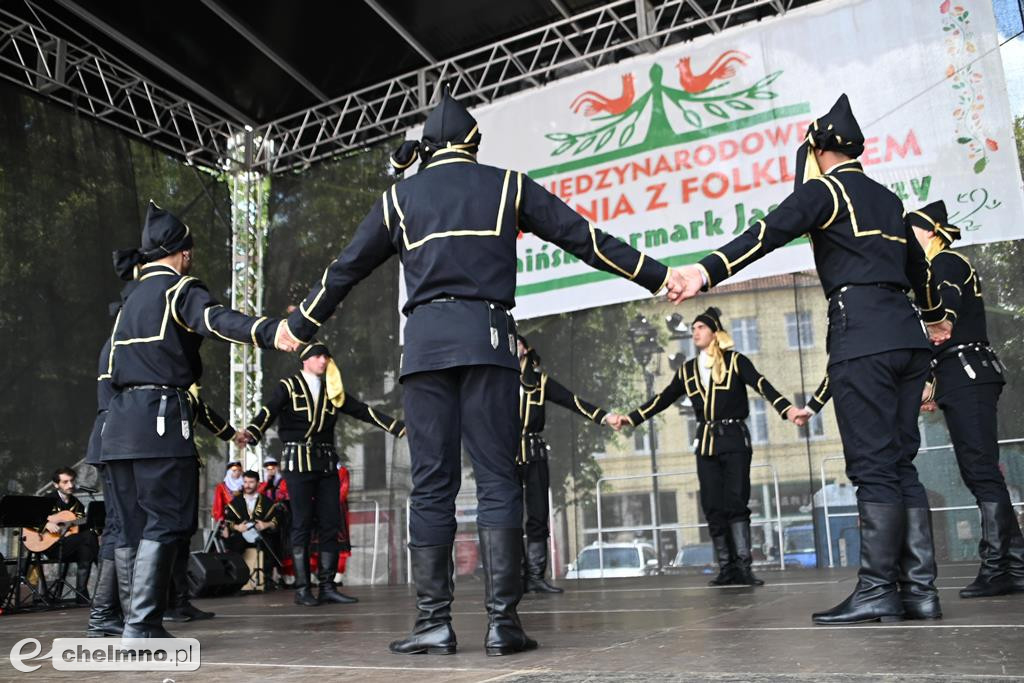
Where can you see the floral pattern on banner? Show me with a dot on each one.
(966, 78)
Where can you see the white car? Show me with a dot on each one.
(620, 560)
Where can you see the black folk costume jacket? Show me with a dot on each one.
(720, 408)
(306, 426)
(866, 256)
(454, 226)
(154, 359)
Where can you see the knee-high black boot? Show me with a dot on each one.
(153, 564)
(918, 594)
(1016, 554)
(124, 567)
(105, 613)
(179, 605)
(743, 575)
(876, 597)
(83, 571)
(433, 572)
(303, 595)
(502, 551)
(325, 572)
(723, 554)
(994, 576)
(536, 568)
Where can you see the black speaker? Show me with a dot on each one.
(212, 574)
(5, 580)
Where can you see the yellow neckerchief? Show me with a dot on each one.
(936, 245)
(721, 341)
(333, 387)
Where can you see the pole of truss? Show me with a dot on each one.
(249, 193)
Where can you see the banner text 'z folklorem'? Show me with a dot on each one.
(679, 151)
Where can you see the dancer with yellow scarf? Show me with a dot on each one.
(716, 382)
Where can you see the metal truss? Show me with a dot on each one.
(567, 46)
(72, 70)
(89, 80)
(249, 220)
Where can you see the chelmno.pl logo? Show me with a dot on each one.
(108, 654)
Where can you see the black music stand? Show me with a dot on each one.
(24, 512)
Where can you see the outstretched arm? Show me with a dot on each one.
(821, 396)
(370, 247)
(194, 309)
(660, 401)
(556, 393)
(754, 379)
(211, 419)
(548, 217)
(353, 407)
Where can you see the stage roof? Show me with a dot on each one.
(320, 77)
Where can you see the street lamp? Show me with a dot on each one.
(644, 339)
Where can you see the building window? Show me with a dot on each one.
(746, 335)
(641, 440)
(815, 428)
(799, 330)
(757, 423)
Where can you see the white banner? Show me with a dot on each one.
(679, 151)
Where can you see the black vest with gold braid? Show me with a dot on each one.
(306, 423)
(533, 398)
(236, 512)
(866, 256)
(721, 408)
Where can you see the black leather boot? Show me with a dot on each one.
(502, 554)
(876, 597)
(303, 595)
(918, 594)
(83, 571)
(179, 604)
(124, 567)
(325, 572)
(723, 554)
(1016, 554)
(105, 613)
(743, 575)
(433, 572)
(153, 564)
(994, 549)
(536, 568)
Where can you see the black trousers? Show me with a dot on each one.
(154, 499)
(724, 489)
(476, 407)
(970, 413)
(112, 524)
(877, 403)
(314, 495)
(80, 548)
(536, 482)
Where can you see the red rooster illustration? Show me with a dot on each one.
(594, 103)
(721, 68)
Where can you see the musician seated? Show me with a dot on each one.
(251, 521)
(78, 544)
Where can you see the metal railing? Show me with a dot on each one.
(824, 493)
(655, 529)
(376, 536)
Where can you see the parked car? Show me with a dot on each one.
(620, 560)
(695, 556)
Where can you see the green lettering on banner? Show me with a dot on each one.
(699, 134)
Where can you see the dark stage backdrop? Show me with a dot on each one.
(72, 191)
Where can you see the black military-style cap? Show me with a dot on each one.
(836, 131)
(163, 234)
(314, 348)
(449, 127)
(934, 219)
(712, 318)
